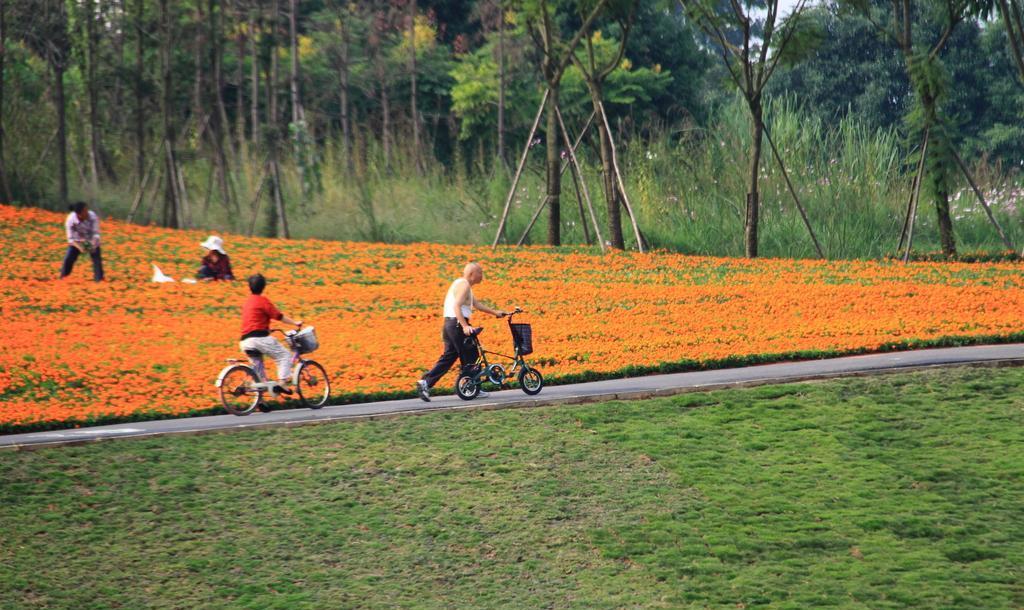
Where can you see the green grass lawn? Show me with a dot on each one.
(903, 491)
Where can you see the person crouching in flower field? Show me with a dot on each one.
(257, 312)
(215, 265)
(83, 233)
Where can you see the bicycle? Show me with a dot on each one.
(242, 384)
(467, 386)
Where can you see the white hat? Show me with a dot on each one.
(214, 243)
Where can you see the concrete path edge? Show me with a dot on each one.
(635, 388)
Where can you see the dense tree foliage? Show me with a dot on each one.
(177, 106)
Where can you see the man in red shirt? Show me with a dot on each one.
(257, 312)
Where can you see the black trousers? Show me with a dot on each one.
(72, 255)
(457, 346)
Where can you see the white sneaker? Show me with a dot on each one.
(482, 394)
(423, 390)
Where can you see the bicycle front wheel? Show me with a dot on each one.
(466, 387)
(238, 391)
(531, 381)
(313, 385)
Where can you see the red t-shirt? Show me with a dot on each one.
(257, 312)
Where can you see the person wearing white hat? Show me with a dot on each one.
(216, 264)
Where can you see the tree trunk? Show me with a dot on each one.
(89, 9)
(376, 44)
(554, 171)
(254, 79)
(946, 235)
(273, 116)
(240, 82)
(293, 42)
(501, 83)
(140, 111)
(223, 125)
(170, 217)
(62, 132)
(385, 129)
(343, 76)
(199, 85)
(280, 227)
(4, 184)
(1014, 32)
(298, 117)
(220, 126)
(382, 92)
(113, 116)
(941, 196)
(753, 194)
(413, 112)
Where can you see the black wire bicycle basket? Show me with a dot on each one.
(522, 338)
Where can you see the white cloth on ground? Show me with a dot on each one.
(158, 276)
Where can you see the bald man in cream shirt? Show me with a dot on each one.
(459, 303)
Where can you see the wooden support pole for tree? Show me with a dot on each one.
(913, 189)
(186, 211)
(792, 191)
(618, 178)
(282, 215)
(576, 166)
(138, 196)
(172, 207)
(981, 198)
(565, 164)
(533, 219)
(209, 191)
(153, 196)
(519, 170)
(256, 202)
(916, 198)
(42, 157)
(576, 180)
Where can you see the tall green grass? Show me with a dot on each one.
(851, 180)
(687, 186)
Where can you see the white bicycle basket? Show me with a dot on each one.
(305, 340)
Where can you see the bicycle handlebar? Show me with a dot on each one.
(284, 332)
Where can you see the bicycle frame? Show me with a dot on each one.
(313, 387)
(518, 361)
(258, 366)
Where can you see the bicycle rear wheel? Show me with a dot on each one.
(313, 384)
(238, 393)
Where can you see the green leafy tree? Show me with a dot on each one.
(556, 50)
(605, 74)
(751, 47)
(930, 81)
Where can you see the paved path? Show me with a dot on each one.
(615, 389)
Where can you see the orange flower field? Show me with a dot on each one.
(75, 351)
